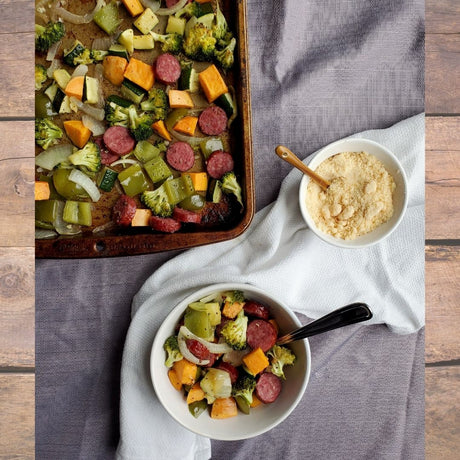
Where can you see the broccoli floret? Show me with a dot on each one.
(172, 349)
(200, 44)
(231, 186)
(140, 124)
(40, 76)
(234, 296)
(171, 43)
(225, 57)
(45, 36)
(192, 9)
(98, 55)
(46, 132)
(280, 357)
(157, 201)
(89, 157)
(157, 104)
(83, 58)
(220, 26)
(234, 332)
(116, 114)
(244, 388)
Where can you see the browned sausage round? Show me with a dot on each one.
(268, 387)
(107, 157)
(180, 156)
(261, 333)
(197, 349)
(252, 308)
(123, 210)
(118, 140)
(212, 121)
(164, 224)
(167, 69)
(219, 163)
(185, 216)
(232, 370)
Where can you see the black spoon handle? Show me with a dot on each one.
(350, 314)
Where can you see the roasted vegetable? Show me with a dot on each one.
(230, 186)
(46, 132)
(89, 157)
(280, 357)
(40, 76)
(157, 201)
(45, 36)
(225, 57)
(234, 332)
(200, 44)
(172, 349)
(171, 43)
(156, 104)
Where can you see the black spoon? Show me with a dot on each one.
(350, 314)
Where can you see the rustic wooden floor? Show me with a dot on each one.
(442, 238)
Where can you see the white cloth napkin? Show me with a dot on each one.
(280, 254)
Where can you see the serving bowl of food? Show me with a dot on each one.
(216, 367)
(366, 199)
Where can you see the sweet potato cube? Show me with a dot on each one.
(212, 83)
(114, 69)
(231, 309)
(195, 393)
(180, 99)
(141, 218)
(75, 87)
(172, 375)
(134, 7)
(255, 361)
(42, 190)
(186, 125)
(224, 408)
(199, 181)
(140, 73)
(186, 371)
(255, 401)
(160, 128)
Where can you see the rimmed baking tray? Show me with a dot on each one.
(142, 240)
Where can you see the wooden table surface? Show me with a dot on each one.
(442, 243)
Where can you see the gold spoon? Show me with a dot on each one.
(285, 154)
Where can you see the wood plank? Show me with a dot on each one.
(442, 177)
(442, 268)
(442, 16)
(17, 314)
(442, 74)
(17, 183)
(442, 413)
(17, 16)
(17, 409)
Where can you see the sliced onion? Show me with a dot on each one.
(174, 9)
(62, 227)
(154, 5)
(102, 228)
(44, 234)
(51, 157)
(123, 161)
(101, 43)
(212, 298)
(230, 120)
(54, 65)
(86, 183)
(76, 18)
(80, 71)
(95, 126)
(95, 112)
(187, 354)
(53, 49)
(211, 346)
(193, 141)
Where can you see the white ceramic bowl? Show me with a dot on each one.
(262, 418)
(392, 165)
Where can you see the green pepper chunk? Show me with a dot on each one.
(67, 188)
(197, 408)
(77, 212)
(198, 322)
(133, 180)
(145, 151)
(107, 18)
(242, 404)
(43, 106)
(46, 210)
(178, 189)
(157, 169)
(194, 202)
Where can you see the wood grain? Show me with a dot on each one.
(442, 16)
(442, 423)
(17, 183)
(442, 74)
(442, 341)
(443, 133)
(17, 314)
(17, 404)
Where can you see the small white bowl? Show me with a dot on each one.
(392, 165)
(262, 418)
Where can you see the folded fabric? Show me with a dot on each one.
(280, 254)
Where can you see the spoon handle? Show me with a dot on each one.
(350, 314)
(287, 155)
